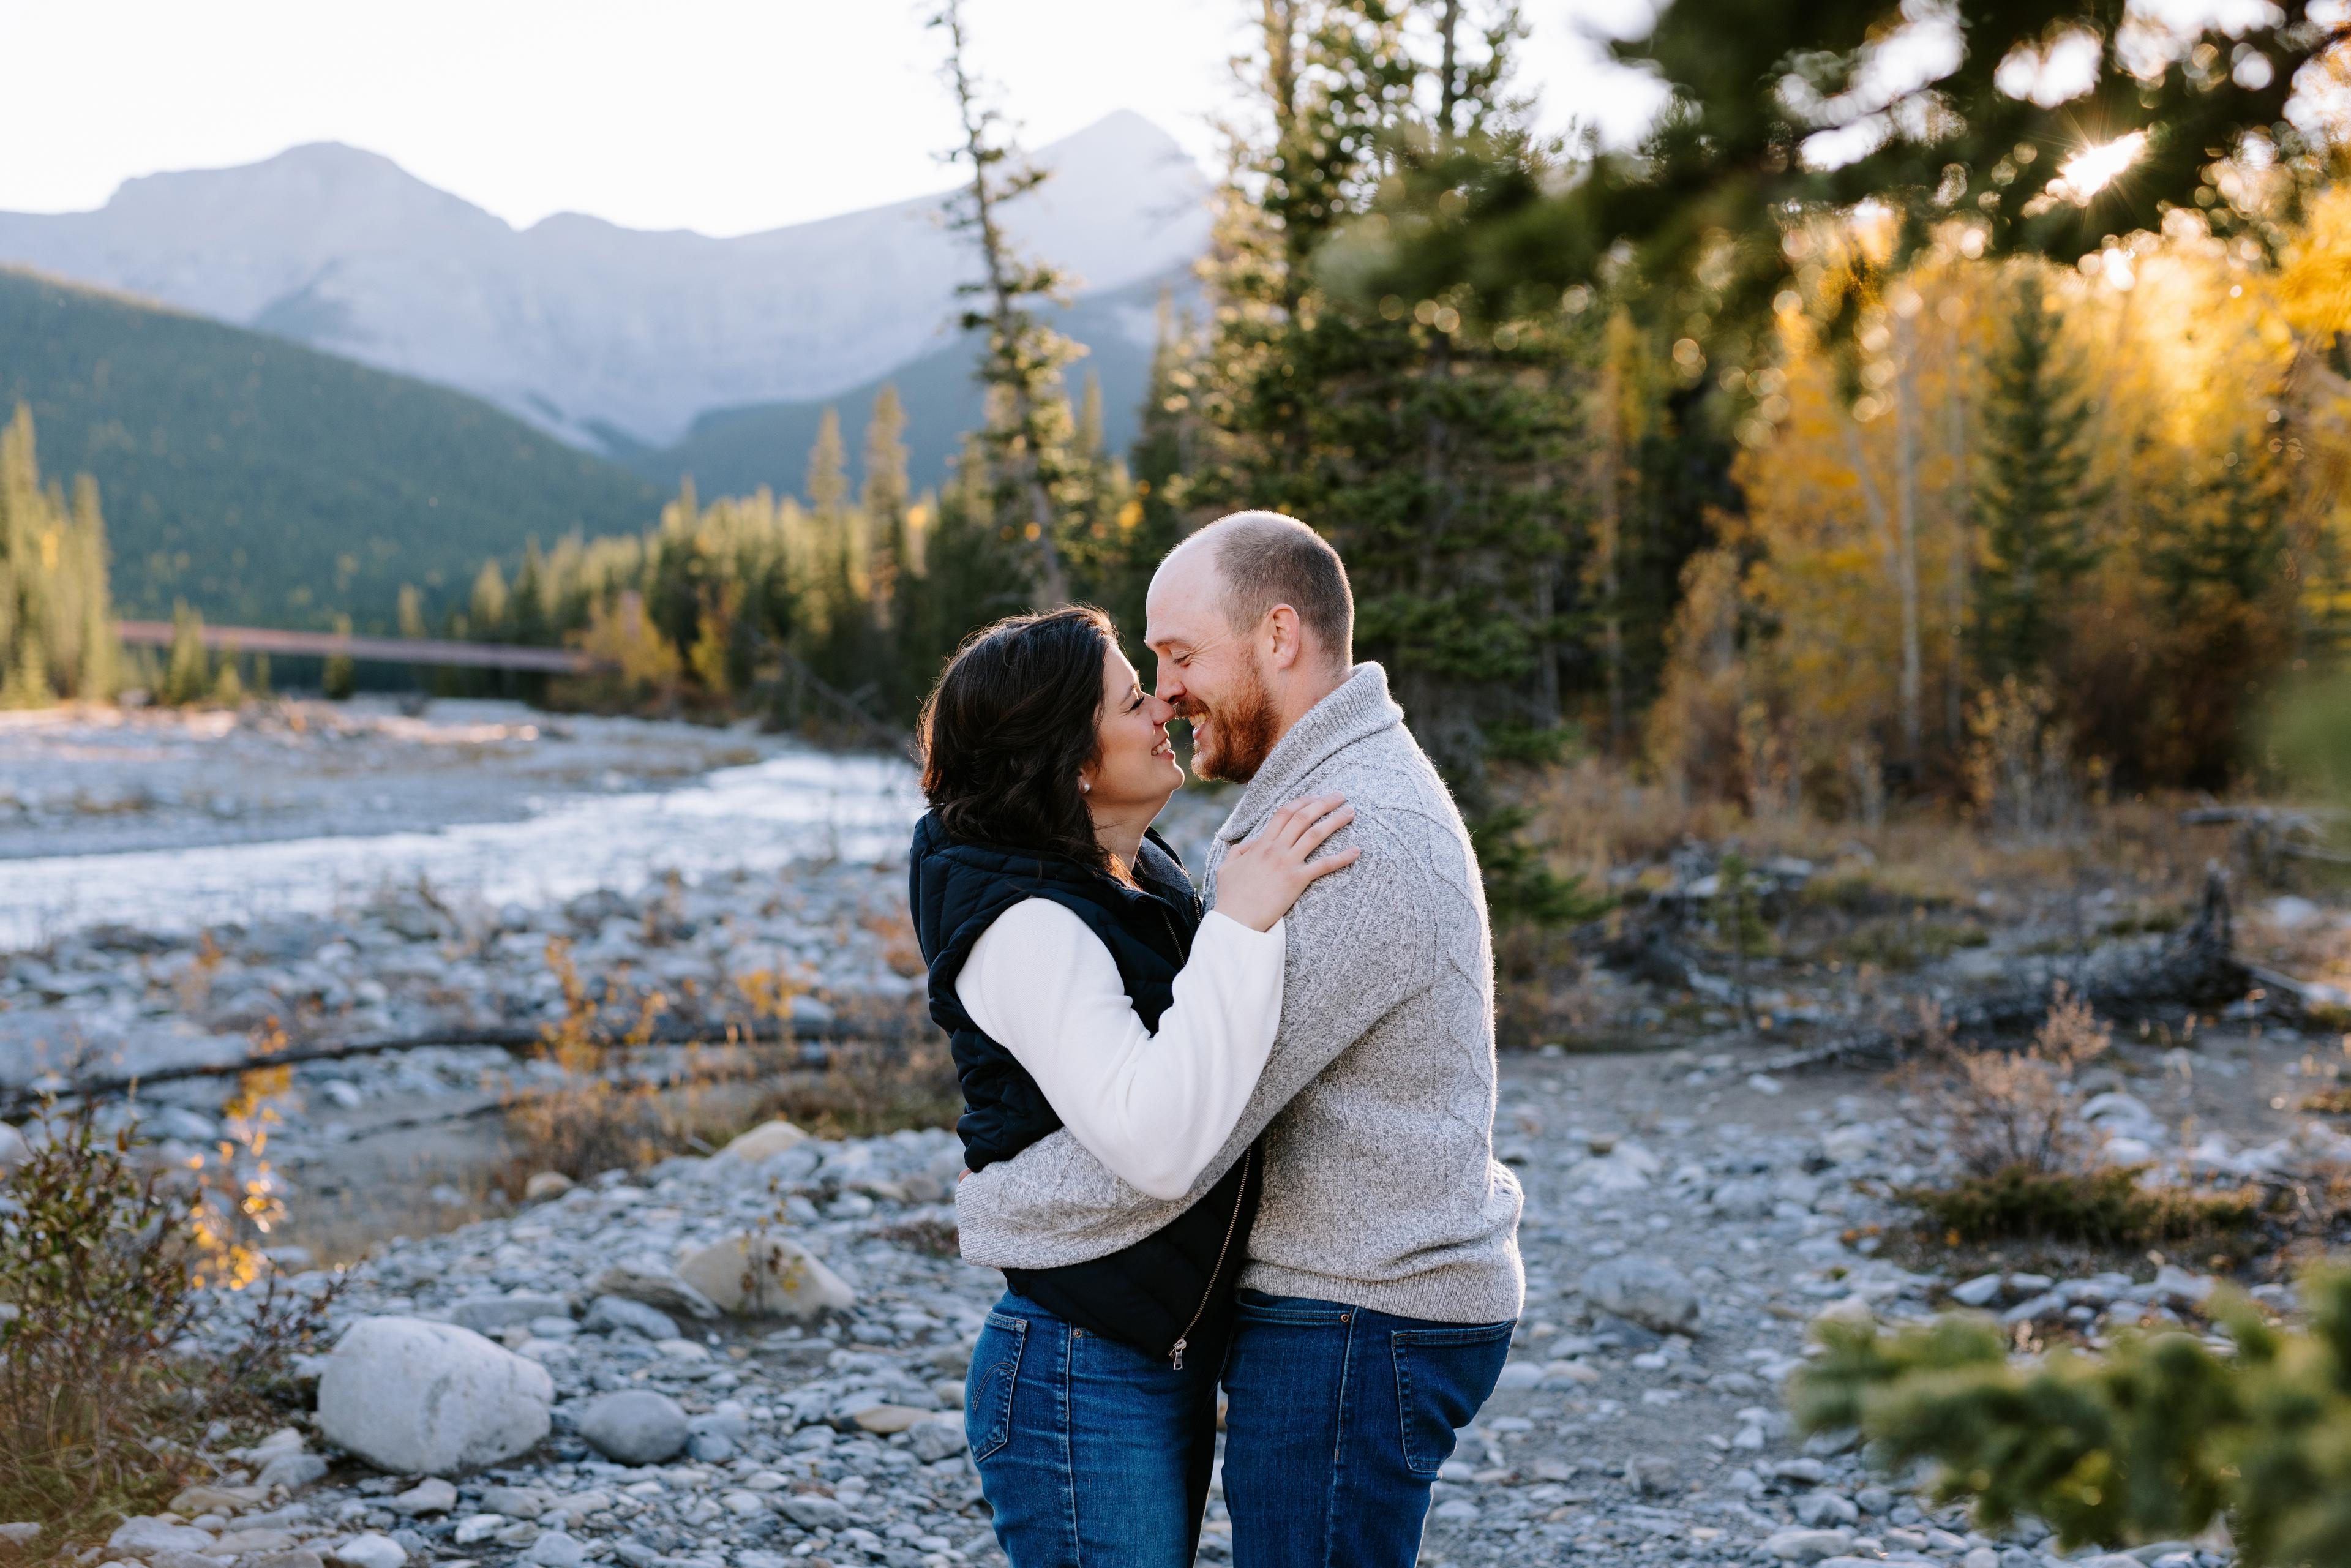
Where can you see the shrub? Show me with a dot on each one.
(2152, 1440)
(2013, 1109)
(102, 1400)
(2105, 1208)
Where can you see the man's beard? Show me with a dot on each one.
(1241, 731)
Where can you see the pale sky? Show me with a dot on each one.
(722, 116)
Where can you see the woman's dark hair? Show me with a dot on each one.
(1015, 715)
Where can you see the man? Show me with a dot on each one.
(1383, 1279)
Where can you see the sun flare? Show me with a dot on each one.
(2093, 168)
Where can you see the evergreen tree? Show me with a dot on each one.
(1437, 459)
(1028, 436)
(2033, 494)
(57, 615)
(188, 674)
(339, 677)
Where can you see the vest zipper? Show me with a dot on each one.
(1240, 1200)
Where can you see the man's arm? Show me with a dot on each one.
(1359, 946)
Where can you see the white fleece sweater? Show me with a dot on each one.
(1154, 1108)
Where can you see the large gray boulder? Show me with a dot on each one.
(1645, 1291)
(636, 1427)
(421, 1398)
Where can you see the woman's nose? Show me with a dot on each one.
(1160, 710)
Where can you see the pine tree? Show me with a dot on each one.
(2033, 494)
(1436, 459)
(338, 677)
(57, 616)
(1028, 436)
(188, 674)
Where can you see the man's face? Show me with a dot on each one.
(1209, 672)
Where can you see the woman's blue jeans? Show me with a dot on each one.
(1339, 1421)
(1091, 1453)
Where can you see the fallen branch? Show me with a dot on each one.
(2195, 966)
(812, 1038)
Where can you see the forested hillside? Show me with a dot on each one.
(264, 482)
(735, 451)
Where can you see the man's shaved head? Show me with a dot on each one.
(1264, 558)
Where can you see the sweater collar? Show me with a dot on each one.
(1358, 710)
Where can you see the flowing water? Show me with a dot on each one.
(801, 805)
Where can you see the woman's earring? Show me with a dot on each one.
(1085, 787)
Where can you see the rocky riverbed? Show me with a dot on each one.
(754, 1358)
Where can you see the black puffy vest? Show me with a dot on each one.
(1176, 1284)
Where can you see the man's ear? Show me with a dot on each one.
(1284, 637)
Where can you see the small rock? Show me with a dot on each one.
(240, 1542)
(1981, 1557)
(431, 1495)
(370, 1550)
(1820, 1509)
(1807, 1545)
(881, 1420)
(637, 1427)
(812, 1512)
(1645, 1291)
(146, 1533)
(1811, 1472)
(194, 1500)
(1850, 1145)
(14, 1150)
(1649, 1475)
(476, 1527)
(290, 1470)
(1456, 1511)
(24, 1532)
(299, 1557)
(544, 1184)
(421, 1398)
(517, 1502)
(487, 1314)
(1977, 1293)
(554, 1549)
(1743, 1198)
(710, 1448)
(765, 1142)
(655, 1284)
(940, 1437)
(609, 1312)
(1519, 1377)
(765, 1275)
(169, 1558)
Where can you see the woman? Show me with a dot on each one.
(1082, 986)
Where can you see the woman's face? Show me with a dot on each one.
(1136, 766)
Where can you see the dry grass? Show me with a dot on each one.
(100, 1261)
(599, 1117)
(2013, 1110)
(1600, 817)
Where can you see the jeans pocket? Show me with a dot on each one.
(987, 1387)
(1443, 1375)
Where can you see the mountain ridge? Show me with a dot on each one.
(580, 326)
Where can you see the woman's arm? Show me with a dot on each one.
(1153, 1108)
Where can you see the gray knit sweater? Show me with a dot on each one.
(1377, 1104)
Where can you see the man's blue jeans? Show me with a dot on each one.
(1339, 1420)
(1091, 1452)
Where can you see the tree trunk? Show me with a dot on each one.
(1963, 545)
(1906, 512)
